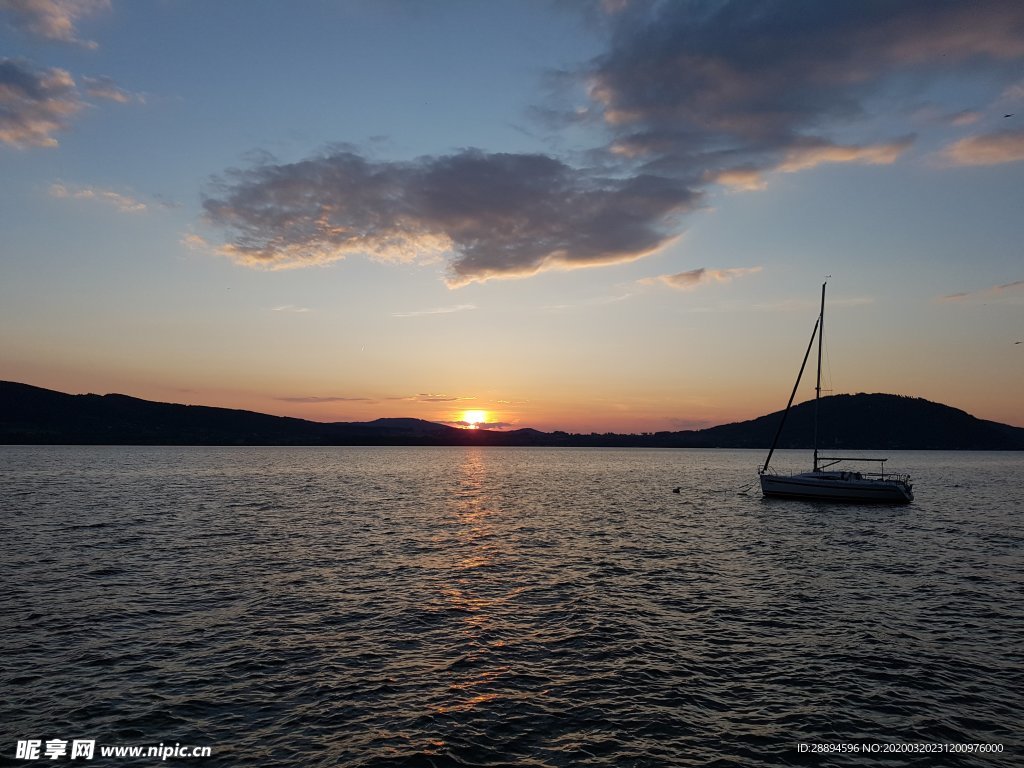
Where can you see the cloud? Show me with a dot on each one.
(687, 281)
(492, 215)
(53, 19)
(436, 311)
(123, 203)
(423, 397)
(1013, 92)
(426, 397)
(748, 179)
(799, 158)
(1007, 291)
(595, 301)
(704, 89)
(313, 399)
(290, 308)
(34, 104)
(105, 88)
(989, 149)
(804, 154)
(688, 95)
(965, 117)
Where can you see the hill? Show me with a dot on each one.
(862, 421)
(32, 415)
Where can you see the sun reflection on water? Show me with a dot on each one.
(474, 589)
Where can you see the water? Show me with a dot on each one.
(499, 607)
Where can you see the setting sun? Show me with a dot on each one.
(473, 419)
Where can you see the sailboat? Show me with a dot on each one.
(824, 482)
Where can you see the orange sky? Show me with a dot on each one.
(508, 207)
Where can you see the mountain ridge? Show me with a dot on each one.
(34, 415)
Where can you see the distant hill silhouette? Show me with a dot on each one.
(861, 421)
(32, 415)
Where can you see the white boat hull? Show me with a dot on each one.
(837, 486)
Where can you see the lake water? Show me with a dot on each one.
(505, 607)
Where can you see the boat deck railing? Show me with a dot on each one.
(888, 476)
(891, 477)
(880, 475)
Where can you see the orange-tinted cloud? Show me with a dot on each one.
(53, 20)
(804, 155)
(35, 104)
(1012, 291)
(105, 88)
(800, 158)
(124, 203)
(747, 179)
(988, 149)
(436, 311)
(687, 281)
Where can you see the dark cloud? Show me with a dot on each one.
(691, 94)
(492, 215)
(700, 87)
(34, 104)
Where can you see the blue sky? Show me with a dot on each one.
(586, 216)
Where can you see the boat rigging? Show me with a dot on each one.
(822, 482)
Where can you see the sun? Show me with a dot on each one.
(473, 419)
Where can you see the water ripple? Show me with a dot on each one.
(503, 607)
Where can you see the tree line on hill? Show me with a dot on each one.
(32, 415)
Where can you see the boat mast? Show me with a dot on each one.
(817, 386)
(785, 413)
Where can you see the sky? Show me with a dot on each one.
(585, 216)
